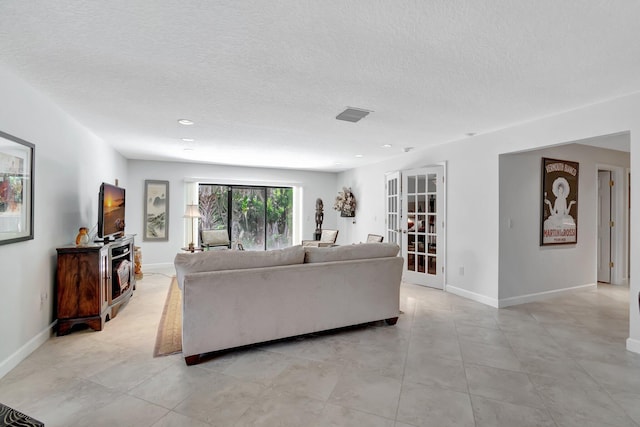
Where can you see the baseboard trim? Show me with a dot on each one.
(23, 352)
(506, 302)
(633, 345)
(159, 265)
(472, 295)
(539, 296)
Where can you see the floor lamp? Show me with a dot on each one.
(193, 211)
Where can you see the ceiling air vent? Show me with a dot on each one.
(353, 114)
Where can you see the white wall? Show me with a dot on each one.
(70, 164)
(471, 183)
(472, 192)
(526, 268)
(313, 185)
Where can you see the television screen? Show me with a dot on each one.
(111, 215)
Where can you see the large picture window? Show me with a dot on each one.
(257, 217)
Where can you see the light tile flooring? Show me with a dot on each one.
(448, 362)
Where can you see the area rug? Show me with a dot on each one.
(169, 337)
(10, 417)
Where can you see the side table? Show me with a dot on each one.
(186, 249)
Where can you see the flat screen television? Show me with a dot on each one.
(111, 212)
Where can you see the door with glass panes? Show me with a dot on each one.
(392, 214)
(423, 226)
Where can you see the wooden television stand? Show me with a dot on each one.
(93, 282)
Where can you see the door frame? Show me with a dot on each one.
(619, 234)
(604, 189)
(627, 231)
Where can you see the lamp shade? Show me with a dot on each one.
(192, 211)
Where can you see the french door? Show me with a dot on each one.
(392, 217)
(422, 224)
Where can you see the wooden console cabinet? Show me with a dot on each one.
(93, 283)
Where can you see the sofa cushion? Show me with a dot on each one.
(198, 262)
(349, 252)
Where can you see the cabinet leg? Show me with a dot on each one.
(96, 324)
(64, 325)
(63, 328)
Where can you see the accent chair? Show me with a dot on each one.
(215, 238)
(327, 238)
(374, 238)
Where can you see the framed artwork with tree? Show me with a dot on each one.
(156, 211)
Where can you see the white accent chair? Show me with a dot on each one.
(374, 238)
(215, 238)
(327, 239)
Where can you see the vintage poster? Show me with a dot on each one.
(559, 219)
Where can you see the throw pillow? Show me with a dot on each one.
(186, 263)
(350, 252)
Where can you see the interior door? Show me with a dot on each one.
(604, 226)
(423, 226)
(392, 214)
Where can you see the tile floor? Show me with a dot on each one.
(448, 362)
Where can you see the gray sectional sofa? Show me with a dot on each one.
(236, 298)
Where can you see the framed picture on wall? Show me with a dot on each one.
(156, 211)
(16, 189)
(559, 218)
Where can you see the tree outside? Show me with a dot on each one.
(213, 201)
(279, 217)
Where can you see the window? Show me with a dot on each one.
(258, 217)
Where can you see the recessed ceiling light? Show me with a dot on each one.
(337, 163)
(387, 146)
(188, 149)
(185, 122)
(359, 155)
(188, 139)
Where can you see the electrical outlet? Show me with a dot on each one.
(43, 298)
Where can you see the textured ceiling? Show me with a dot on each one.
(264, 80)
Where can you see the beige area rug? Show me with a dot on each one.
(169, 338)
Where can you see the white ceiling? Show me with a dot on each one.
(264, 80)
